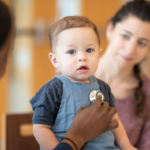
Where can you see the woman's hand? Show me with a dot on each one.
(90, 122)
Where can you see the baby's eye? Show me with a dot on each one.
(125, 36)
(89, 50)
(71, 52)
(143, 44)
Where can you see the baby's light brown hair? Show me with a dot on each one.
(68, 23)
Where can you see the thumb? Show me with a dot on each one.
(98, 100)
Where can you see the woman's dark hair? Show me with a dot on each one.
(5, 23)
(141, 10)
(137, 8)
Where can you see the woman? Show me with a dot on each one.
(128, 34)
(82, 129)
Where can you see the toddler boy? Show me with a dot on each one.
(75, 49)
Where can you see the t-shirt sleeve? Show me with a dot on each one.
(46, 102)
(105, 89)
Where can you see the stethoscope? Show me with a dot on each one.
(92, 97)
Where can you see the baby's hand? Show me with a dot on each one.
(129, 147)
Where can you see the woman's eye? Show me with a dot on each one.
(142, 43)
(125, 36)
(89, 50)
(71, 52)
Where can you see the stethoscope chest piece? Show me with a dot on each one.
(93, 95)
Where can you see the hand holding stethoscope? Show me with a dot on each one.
(93, 96)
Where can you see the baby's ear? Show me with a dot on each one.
(53, 59)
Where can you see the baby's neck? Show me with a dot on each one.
(78, 81)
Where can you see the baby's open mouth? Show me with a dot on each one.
(83, 68)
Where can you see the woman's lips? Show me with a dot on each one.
(126, 58)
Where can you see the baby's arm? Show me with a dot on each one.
(121, 137)
(44, 136)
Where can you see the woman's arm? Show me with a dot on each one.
(121, 137)
(45, 137)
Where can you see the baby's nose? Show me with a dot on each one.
(82, 57)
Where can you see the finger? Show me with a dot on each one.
(111, 112)
(113, 124)
(110, 108)
(98, 100)
(105, 105)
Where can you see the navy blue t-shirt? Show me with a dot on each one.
(46, 101)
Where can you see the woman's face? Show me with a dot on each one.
(129, 41)
(4, 52)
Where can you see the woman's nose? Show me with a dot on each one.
(131, 48)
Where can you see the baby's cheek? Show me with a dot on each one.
(69, 67)
(94, 63)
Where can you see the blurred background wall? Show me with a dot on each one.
(29, 67)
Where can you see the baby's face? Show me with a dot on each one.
(77, 52)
